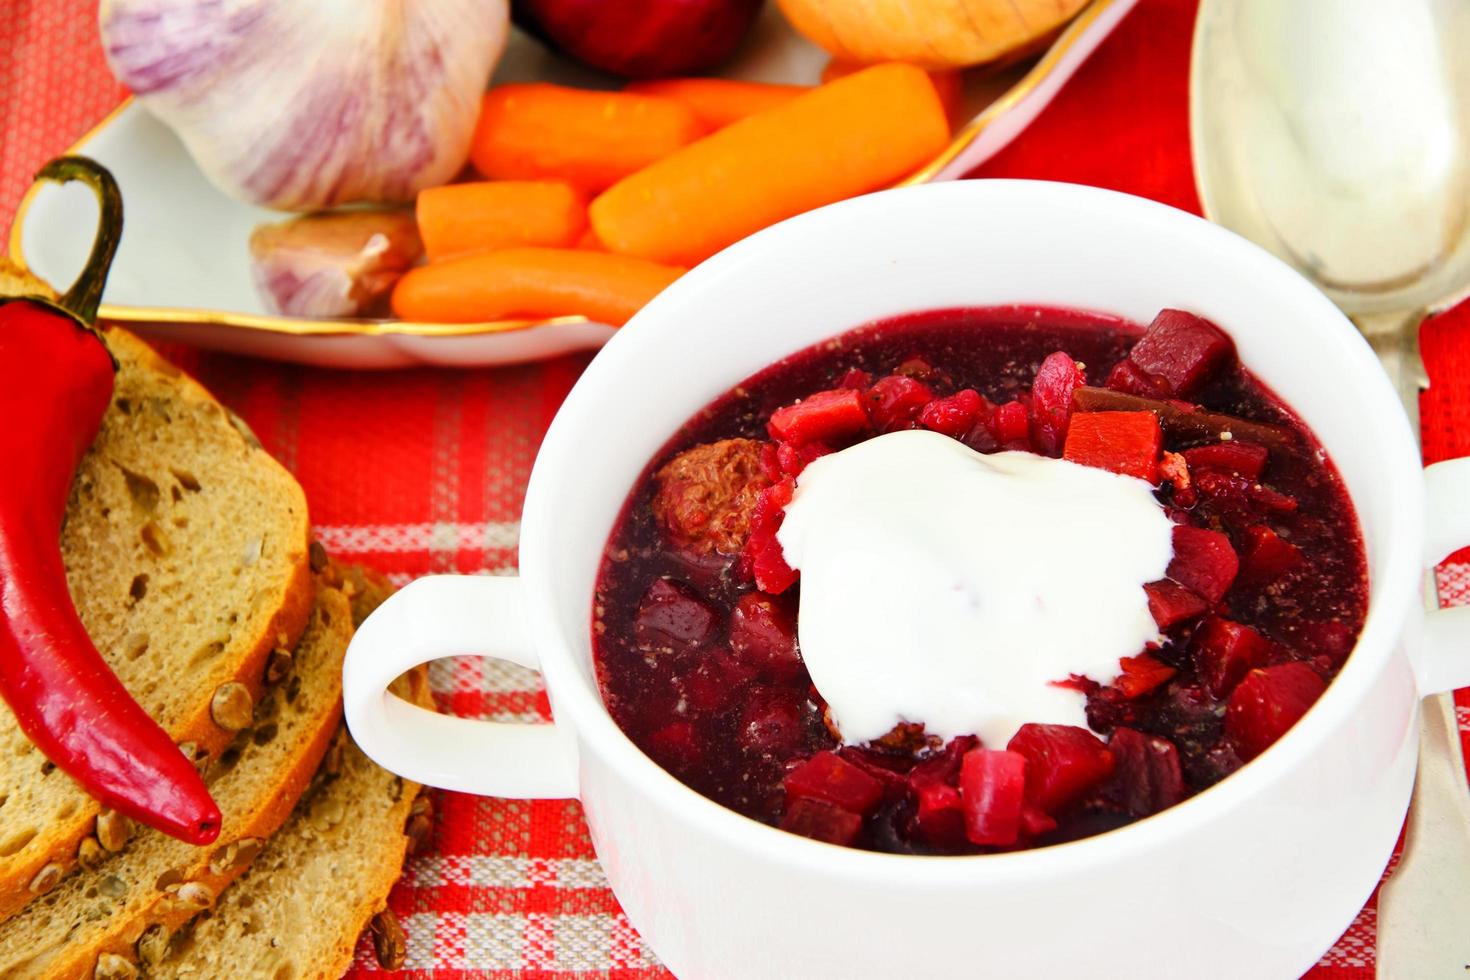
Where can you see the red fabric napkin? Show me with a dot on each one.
(425, 471)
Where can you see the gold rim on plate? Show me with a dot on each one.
(299, 327)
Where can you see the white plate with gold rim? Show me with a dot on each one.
(182, 271)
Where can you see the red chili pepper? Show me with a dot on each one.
(56, 378)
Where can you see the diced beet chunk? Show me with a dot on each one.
(992, 788)
(763, 555)
(856, 378)
(956, 415)
(822, 821)
(1170, 603)
(1063, 763)
(945, 766)
(941, 816)
(1241, 458)
(673, 619)
(714, 680)
(895, 402)
(1146, 775)
(1124, 442)
(1267, 703)
(1242, 493)
(834, 414)
(1036, 821)
(763, 634)
(676, 745)
(1010, 423)
(791, 458)
(771, 723)
(1225, 651)
(827, 776)
(1204, 562)
(1326, 638)
(1131, 379)
(1267, 555)
(1142, 674)
(1182, 349)
(1051, 401)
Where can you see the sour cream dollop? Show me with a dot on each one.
(943, 586)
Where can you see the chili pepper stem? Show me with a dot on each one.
(85, 295)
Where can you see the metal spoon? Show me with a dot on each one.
(1336, 133)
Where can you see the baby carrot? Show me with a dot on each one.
(459, 218)
(530, 282)
(590, 241)
(719, 101)
(851, 136)
(592, 139)
(949, 84)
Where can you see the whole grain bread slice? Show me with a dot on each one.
(297, 913)
(94, 924)
(186, 552)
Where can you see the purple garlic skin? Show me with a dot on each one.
(306, 104)
(342, 264)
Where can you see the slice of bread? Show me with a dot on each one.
(130, 901)
(297, 913)
(186, 552)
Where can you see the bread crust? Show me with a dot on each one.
(272, 807)
(57, 842)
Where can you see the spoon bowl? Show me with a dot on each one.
(1336, 134)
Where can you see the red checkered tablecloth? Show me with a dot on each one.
(425, 471)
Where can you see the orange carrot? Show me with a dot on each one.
(719, 101)
(461, 218)
(530, 282)
(590, 241)
(592, 139)
(854, 135)
(949, 84)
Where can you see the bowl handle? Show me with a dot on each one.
(1444, 642)
(446, 616)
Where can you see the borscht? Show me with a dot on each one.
(979, 580)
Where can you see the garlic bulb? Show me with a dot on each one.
(935, 34)
(342, 263)
(304, 104)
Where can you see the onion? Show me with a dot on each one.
(934, 34)
(640, 38)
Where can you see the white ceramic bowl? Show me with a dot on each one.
(1254, 877)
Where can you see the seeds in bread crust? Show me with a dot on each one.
(420, 826)
(317, 557)
(110, 966)
(89, 854)
(389, 943)
(113, 830)
(231, 707)
(194, 895)
(47, 878)
(278, 666)
(153, 945)
(223, 859)
(249, 847)
(332, 764)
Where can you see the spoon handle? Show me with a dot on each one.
(1424, 906)
(1395, 339)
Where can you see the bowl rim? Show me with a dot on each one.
(1389, 600)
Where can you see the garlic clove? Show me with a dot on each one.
(305, 105)
(333, 265)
